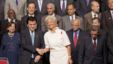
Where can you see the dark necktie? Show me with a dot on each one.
(75, 39)
(94, 44)
(16, 2)
(63, 6)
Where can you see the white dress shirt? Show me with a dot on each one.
(72, 17)
(9, 20)
(111, 13)
(94, 14)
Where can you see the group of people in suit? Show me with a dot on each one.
(56, 31)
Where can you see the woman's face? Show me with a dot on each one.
(11, 28)
(51, 24)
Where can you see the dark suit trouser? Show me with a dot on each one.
(109, 63)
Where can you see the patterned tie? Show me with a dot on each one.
(17, 2)
(75, 39)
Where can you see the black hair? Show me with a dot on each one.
(31, 3)
(32, 19)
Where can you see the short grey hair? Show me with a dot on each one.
(51, 4)
(49, 17)
(77, 19)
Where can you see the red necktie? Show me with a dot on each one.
(4, 62)
(75, 39)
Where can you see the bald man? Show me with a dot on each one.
(51, 11)
(75, 35)
(95, 7)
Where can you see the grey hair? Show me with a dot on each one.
(79, 19)
(49, 17)
(51, 4)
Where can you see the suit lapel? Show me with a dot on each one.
(91, 44)
(36, 39)
(71, 37)
(36, 1)
(59, 5)
(98, 43)
(110, 16)
(90, 18)
(28, 36)
(79, 37)
(43, 3)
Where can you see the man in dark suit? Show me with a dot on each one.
(103, 5)
(94, 13)
(2, 3)
(75, 34)
(31, 8)
(41, 6)
(83, 6)
(61, 6)
(31, 39)
(93, 50)
(51, 12)
(107, 17)
(110, 47)
(11, 18)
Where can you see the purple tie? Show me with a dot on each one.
(87, 1)
(63, 6)
(16, 2)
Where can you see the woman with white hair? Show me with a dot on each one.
(57, 42)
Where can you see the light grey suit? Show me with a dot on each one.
(88, 20)
(44, 5)
(19, 9)
(43, 23)
(67, 22)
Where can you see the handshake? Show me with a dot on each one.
(40, 51)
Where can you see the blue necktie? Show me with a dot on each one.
(16, 2)
(32, 39)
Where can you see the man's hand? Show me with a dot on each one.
(37, 58)
(40, 51)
